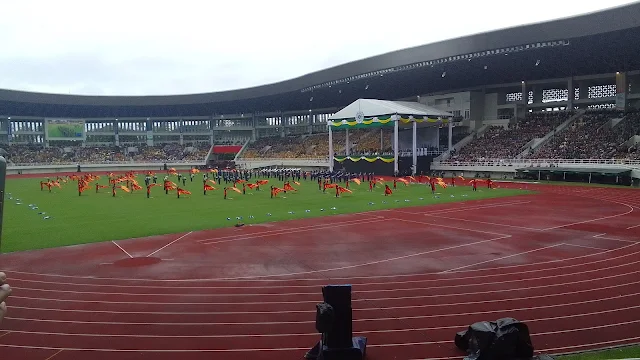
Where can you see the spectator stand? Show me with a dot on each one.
(371, 113)
(541, 142)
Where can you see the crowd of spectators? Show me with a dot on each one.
(362, 142)
(38, 154)
(499, 142)
(588, 137)
(172, 152)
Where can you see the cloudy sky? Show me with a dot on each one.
(156, 47)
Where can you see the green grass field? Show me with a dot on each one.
(99, 217)
(629, 352)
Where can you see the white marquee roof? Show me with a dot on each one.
(376, 108)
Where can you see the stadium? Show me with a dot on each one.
(484, 177)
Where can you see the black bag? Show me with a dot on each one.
(324, 317)
(505, 339)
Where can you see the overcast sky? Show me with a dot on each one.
(158, 47)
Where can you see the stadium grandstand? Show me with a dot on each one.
(524, 96)
(208, 264)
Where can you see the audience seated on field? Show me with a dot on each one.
(500, 143)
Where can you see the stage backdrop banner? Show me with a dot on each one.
(65, 129)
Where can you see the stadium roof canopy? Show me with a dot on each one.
(572, 170)
(373, 112)
(597, 43)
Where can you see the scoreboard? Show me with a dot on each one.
(65, 129)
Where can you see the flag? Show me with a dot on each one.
(388, 191)
(208, 187)
(262, 182)
(343, 190)
(236, 190)
(183, 192)
(297, 183)
(252, 186)
(212, 181)
(404, 181)
(288, 187)
(356, 180)
(124, 188)
(329, 186)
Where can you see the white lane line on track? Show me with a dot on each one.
(393, 318)
(378, 308)
(260, 278)
(463, 208)
(369, 263)
(324, 280)
(229, 238)
(123, 250)
(585, 246)
(436, 342)
(379, 331)
(602, 236)
(171, 243)
(592, 220)
(292, 231)
(450, 227)
(499, 258)
(545, 286)
(633, 227)
(484, 222)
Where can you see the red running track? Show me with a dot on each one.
(566, 261)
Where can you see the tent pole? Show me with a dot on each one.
(450, 135)
(415, 148)
(347, 152)
(330, 149)
(395, 146)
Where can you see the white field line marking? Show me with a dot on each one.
(544, 286)
(379, 331)
(360, 285)
(601, 236)
(378, 308)
(220, 239)
(324, 280)
(592, 344)
(171, 243)
(497, 268)
(291, 231)
(451, 227)
(393, 318)
(123, 250)
(633, 227)
(446, 211)
(592, 220)
(500, 258)
(463, 208)
(584, 246)
(484, 222)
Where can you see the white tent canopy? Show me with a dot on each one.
(375, 108)
(362, 111)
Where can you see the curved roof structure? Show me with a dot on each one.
(475, 60)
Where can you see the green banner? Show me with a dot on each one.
(387, 159)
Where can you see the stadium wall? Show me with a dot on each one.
(52, 169)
